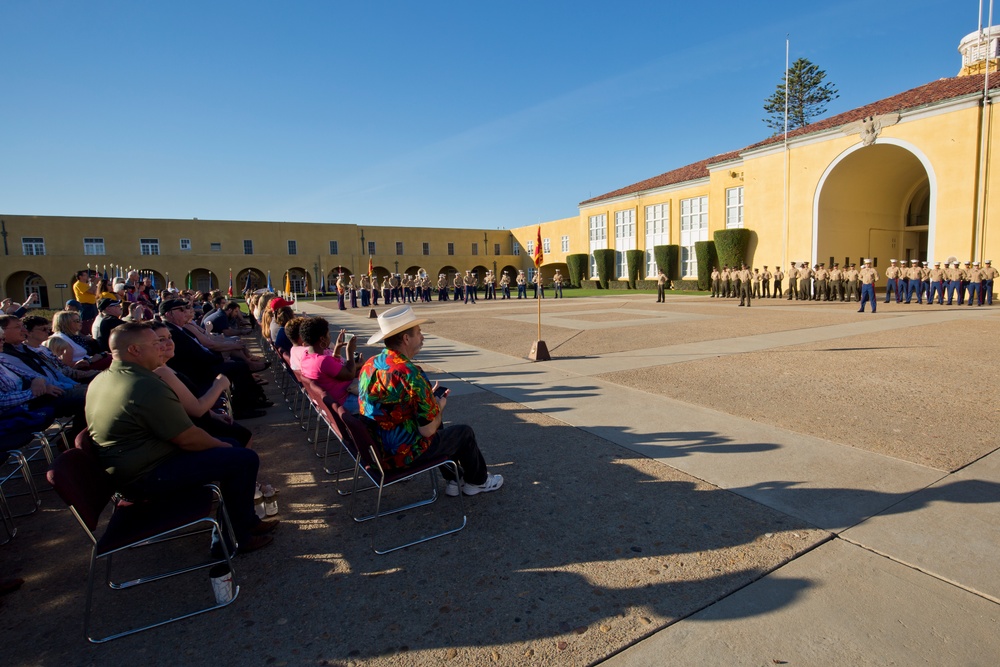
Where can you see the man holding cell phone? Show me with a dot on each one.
(404, 412)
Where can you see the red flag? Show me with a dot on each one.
(371, 269)
(538, 257)
(230, 282)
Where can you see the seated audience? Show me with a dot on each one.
(66, 326)
(299, 349)
(149, 445)
(39, 330)
(281, 340)
(29, 366)
(201, 408)
(110, 316)
(327, 369)
(201, 364)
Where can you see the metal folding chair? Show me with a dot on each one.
(81, 482)
(370, 466)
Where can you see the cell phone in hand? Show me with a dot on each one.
(441, 391)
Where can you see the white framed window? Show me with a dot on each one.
(530, 247)
(694, 228)
(215, 247)
(149, 246)
(334, 247)
(657, 233)
(598, 227)
(93, 245)
(32, 245)
(293, 248)
(598, 231)
(546, 246)
(734, 207)
(185, 244)
(624, 238)
(564, 243)
(515, 248)
(247, 246)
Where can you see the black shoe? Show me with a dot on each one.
(250, 413)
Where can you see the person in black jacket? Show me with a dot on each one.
(202, 365)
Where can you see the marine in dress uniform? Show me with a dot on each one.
(868, 277)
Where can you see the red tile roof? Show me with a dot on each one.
(922, 96)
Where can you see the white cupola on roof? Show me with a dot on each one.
(979, 48)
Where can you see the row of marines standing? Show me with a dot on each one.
(405, 288)
(835, 284)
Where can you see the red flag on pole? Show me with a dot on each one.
(538, 257)
(230, 283)
(371, 269)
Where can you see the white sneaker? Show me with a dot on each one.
(492, 483)
(451, 488)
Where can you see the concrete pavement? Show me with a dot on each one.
(909, 574)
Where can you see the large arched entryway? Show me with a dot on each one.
(876, 201)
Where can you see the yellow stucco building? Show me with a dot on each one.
(912, 176)
(40, 253)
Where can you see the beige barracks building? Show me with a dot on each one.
(912, 176)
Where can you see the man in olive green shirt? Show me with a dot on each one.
(149, 445)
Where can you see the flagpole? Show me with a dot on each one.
(539, 351)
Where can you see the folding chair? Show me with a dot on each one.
(370, 465)
(81, 482)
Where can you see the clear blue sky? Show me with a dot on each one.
(453, 114)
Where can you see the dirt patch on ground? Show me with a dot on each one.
(918, 394)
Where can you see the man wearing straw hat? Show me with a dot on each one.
(404, 412)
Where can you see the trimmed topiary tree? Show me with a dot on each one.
(577, 266)
(731, 246)
(605, 260)
(668, 258)
(634, 260)
(707, 260)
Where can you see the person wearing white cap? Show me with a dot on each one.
(892, 281)
(868, 277)
(974, 276)
(404, 411)
(936, 279)
(912, 274)
(986, 292)
(954, 278)
(522, 285)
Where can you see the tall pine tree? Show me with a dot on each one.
(808, 95)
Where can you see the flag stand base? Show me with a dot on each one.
(372, 315)
(539, 351)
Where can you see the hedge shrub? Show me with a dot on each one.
(668, 259)
(577, 266)
(707, 260)
(634, 261)
(731, 245)
(605, 259)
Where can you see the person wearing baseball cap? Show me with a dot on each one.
(110, 316)
(407, 411)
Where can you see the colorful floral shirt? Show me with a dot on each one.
(395, 394)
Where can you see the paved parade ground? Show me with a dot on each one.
(685, 483)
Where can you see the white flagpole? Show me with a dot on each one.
(784, 214)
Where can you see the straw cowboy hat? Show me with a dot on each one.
(395, 320)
